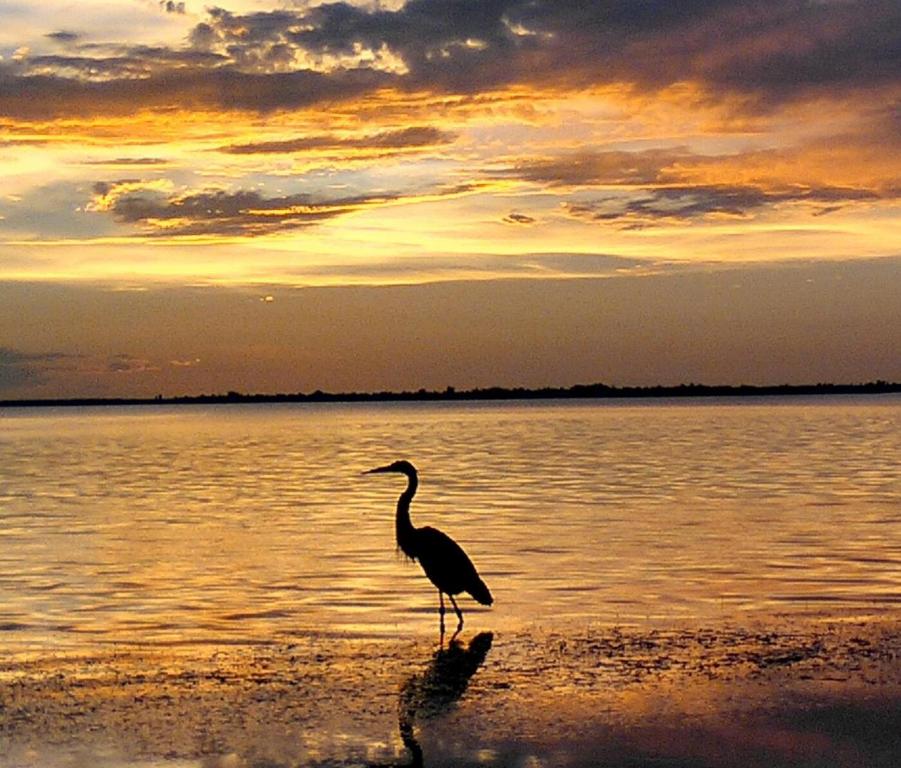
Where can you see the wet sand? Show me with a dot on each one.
(787, 693)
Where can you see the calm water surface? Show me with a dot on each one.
(252, 524)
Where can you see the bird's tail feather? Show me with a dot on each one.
(480, 592)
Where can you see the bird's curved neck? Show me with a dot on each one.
(403, 526)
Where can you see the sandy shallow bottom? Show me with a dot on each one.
(812, 694)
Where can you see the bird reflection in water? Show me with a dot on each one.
(434, 692)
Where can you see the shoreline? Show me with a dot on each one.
(779, 695)
(577, 392)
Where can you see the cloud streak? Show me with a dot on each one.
(127, 364)
(218, 212)
(684, 204)
(485, 266)
(413, 137)
(160, 212)
(594, 168)
(634, 190)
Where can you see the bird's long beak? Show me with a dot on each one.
(378, 469)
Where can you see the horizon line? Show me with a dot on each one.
(450, 393)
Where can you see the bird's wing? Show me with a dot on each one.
(448, 566)
(442, 558)
(440, 543)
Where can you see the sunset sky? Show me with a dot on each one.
(289, 196)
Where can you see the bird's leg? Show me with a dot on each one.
(459, 615)
(441, 611)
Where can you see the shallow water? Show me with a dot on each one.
(253, 523)
(818, 697)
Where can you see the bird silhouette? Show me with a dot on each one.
(443, 560)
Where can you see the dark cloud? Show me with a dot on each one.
(685, 203)
(777, 46)
(203, 36)
(246, 213)
(63, 36)
(128, 161)
(172, 7)
(31, 142)
(518, 218)
(98, 65)
(644, 188)
(11, 356)
(125, 90)
(400, 139)
(595, 168)
(208, 212)
(766, 52)
(19, 369)
(23, 370)
(675, 166)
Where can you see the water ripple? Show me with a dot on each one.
(245, 523)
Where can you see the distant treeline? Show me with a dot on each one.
(490, 393)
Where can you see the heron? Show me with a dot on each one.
(445, 563)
